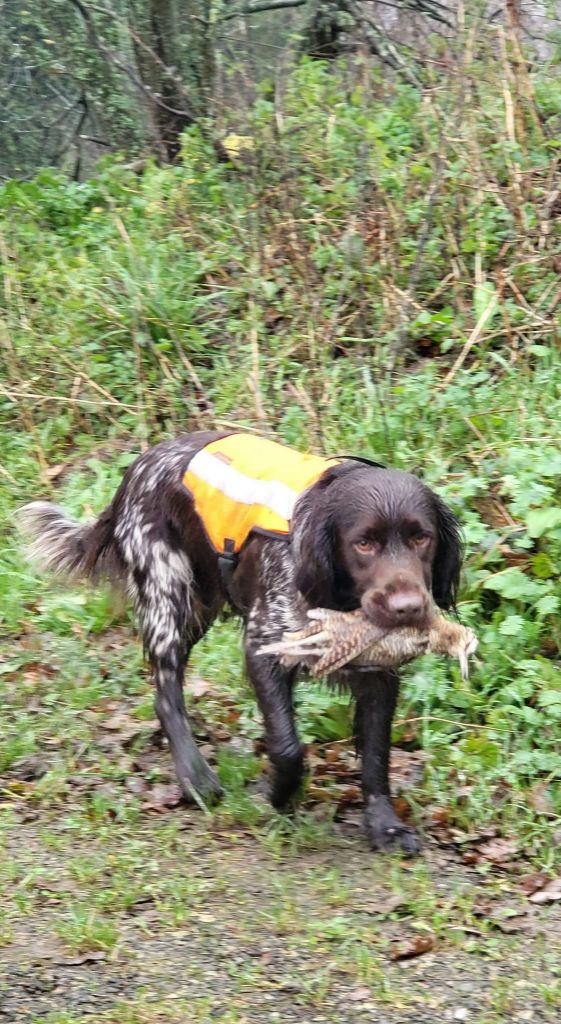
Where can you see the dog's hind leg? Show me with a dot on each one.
(171, 623)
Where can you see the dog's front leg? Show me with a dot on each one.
(273, 688)
(376, 696)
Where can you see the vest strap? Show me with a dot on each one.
(227, 565)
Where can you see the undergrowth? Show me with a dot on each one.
(379, 276)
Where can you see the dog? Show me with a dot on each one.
(338, 533)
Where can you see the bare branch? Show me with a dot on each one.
(113, 58)
(380, 43)
(432, 8)
(262, 5)
(171, 73)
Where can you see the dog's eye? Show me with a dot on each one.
(421, 539)
(365, 545)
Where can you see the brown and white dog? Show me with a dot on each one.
(360, 536)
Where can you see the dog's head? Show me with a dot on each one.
(379, 539)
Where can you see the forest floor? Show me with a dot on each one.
(118, 904)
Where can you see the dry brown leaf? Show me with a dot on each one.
(332, 756)
(199, 687)
(482, 907)
(539, 798)
(407, 767)
(117, 722)
(385, 907)
(350, 795)
(402, 808)
(52, 472)
(359, 995)
(509, 919)
(510, 925)
(549, 894)
(320, 793)
(83, 958)
(441, 816)
(416, 947)
(161, 797)
(531, 883)
(136, 785)
(498, 851)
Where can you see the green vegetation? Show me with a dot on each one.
(378, 273)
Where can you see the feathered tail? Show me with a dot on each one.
(64, 547)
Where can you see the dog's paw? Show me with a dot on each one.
(386, 832)
(287, 781)
(201, 786)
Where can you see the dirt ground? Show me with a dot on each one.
(272, 933)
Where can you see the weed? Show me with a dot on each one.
(85, 929)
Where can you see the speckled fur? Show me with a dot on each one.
(151, 542)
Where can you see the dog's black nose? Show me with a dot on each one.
(408, 605)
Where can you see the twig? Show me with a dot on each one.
(11, 394)
(263, 5)
(471, 341)
(96, 41)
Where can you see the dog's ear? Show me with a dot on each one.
(448, 558)
(313, 550)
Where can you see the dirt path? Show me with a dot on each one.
(226, 924)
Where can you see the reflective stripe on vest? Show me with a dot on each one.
(242, 483)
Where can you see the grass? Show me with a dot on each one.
(276, 297)
(120, 876)
(78, 655)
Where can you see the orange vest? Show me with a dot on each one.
(242, 484)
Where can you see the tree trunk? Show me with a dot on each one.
(158, 45)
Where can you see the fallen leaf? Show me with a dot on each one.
(482, 908)
(498, 851)
(30, 767)
(539, 798)
(332, 756)
(386, 906)
(472, 837)
(549, 894)
(199, 687)
(140, 905)
(136, 785)
(320, 793)
(510, 925)
(407, 767)
(52, 472)
(402, 808)
(84, 958)
(116, 722)
(531, 883)
(359, 995)
(350, 795)
(441, 815)
(161, 797)
(509, 919)
(416, 947)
